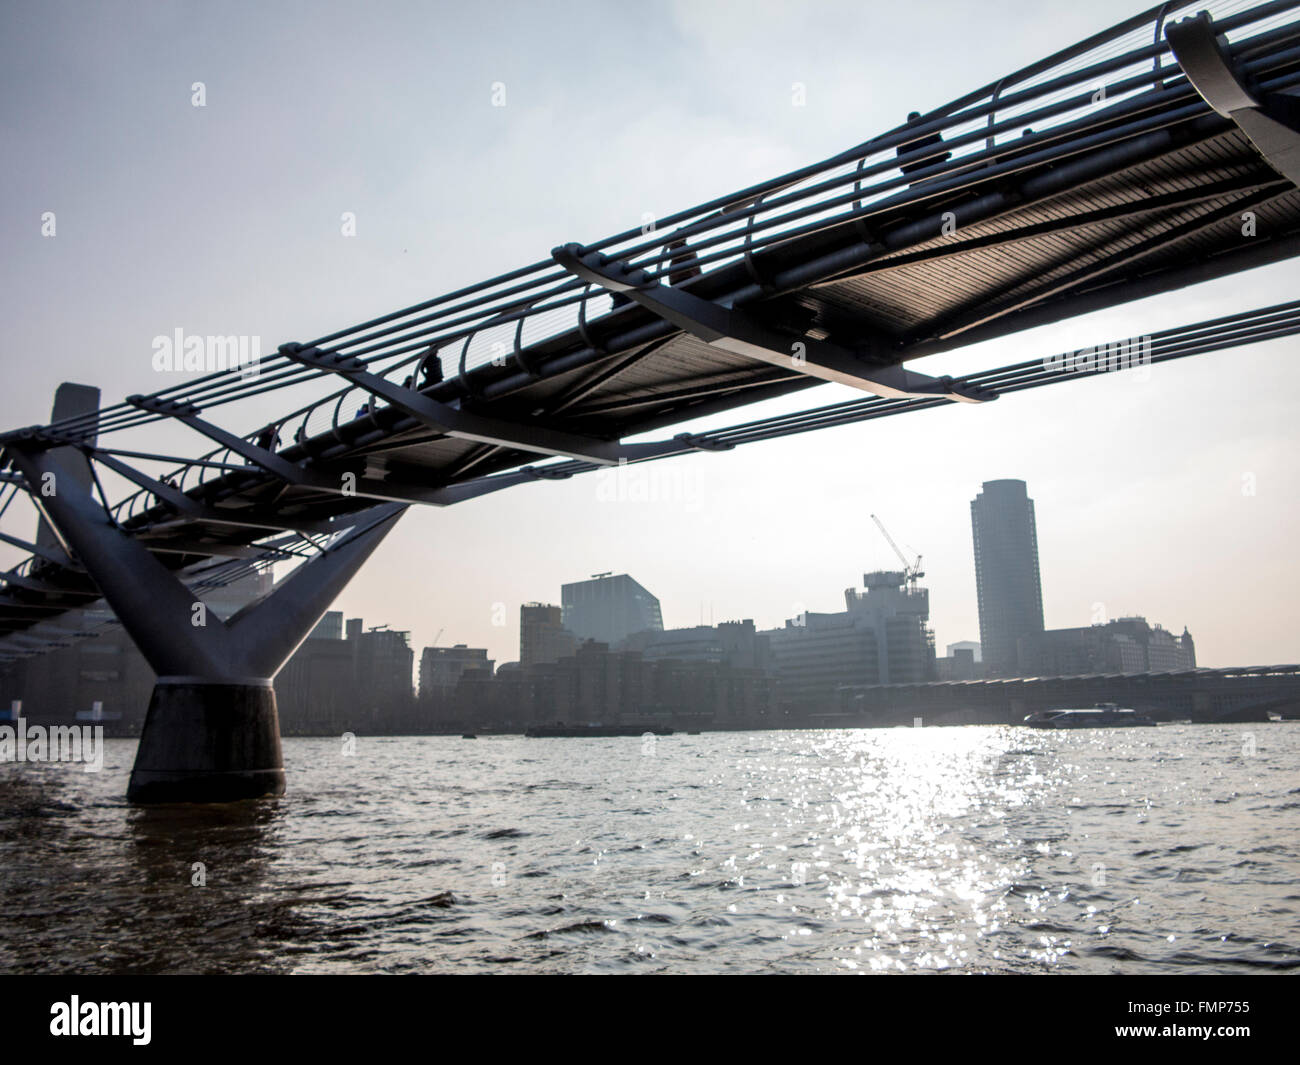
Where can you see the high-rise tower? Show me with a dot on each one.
(1006, 571)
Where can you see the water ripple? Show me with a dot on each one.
(963, 849)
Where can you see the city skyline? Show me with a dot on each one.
(829, 599)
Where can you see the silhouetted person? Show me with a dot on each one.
(915, 146)
(431, 370)
(267, 439)
(682, 267)
(1022, 152)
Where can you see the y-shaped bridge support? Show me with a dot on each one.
(212, 733)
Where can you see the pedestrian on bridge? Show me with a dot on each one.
(917, 145)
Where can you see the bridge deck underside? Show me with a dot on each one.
(920, 299)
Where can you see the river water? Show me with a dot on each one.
(976, 849)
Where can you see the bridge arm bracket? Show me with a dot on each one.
(454, 421)
(1272, 126)
(194, 510)
(289, 472)
(731, 329)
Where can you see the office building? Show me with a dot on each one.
(734, 643)
(315, 691)
(882, 637)
(1006, 572)
(542, 635)
(965, 645)
(442, 667)
(383, 661)
(1127, 645)
(330, 627)
(959, 665)
(608, 608)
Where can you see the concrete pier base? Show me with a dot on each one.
(208, 742)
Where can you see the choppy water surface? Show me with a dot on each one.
(970, 849)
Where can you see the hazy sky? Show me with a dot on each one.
(225, 219)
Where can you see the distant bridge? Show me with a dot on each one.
(1236, 693)
(1160, 153)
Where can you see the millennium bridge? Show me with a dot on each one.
(1160, 153)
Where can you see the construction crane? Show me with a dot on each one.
(438, 637)
(912, 573)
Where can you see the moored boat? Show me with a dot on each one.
(1102, 715)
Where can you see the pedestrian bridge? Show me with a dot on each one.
(1162, 152)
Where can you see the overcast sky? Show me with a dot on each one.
(225, 219)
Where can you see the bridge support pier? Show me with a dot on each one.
(212, 733)
(207, 742)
